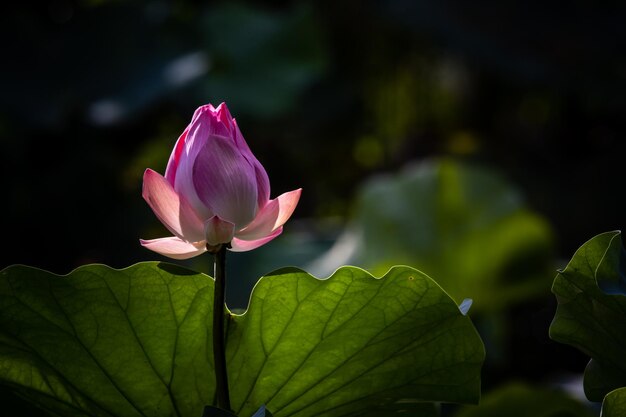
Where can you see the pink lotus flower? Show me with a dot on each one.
(214, 192)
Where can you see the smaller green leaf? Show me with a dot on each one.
(210, 411)
(614, 403)
(591, 311)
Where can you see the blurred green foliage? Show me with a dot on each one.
(261, 61)
(461, 224)
(521, 400)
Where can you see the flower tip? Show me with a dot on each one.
(202, 110)
(146, 177)
(223, 115)
(149, 177)
(292, 200)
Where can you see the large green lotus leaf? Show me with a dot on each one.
(105, 342)
(520, 400)
(591, 312)
(137, 342)
(461, 224)
(351, 343)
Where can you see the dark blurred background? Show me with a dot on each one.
(328, 95)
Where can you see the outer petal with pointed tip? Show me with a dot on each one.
(174, 248)
(172, 210)
(275, 213)
(240, 245)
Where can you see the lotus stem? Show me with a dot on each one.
(219, 348)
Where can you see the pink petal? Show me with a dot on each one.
(172, 210)
(275, 213)
(240, 141)
(174, 248)
(226, 182)
(240, 245)
(203, 127)
(216, 121)
(223, 115)
(263, 182)
(219, 231)
(202, 109)
(172, 164)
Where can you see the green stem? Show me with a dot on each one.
(219, 351)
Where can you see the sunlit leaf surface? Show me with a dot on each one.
(136, 342)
